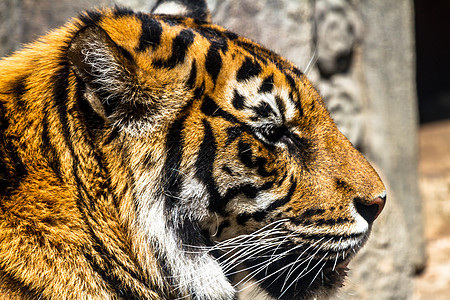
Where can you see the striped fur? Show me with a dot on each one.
(163, 157)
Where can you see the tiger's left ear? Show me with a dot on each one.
(111, 83)
(107, 70)
(196, 9)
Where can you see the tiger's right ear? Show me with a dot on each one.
(196, 9)
(107, 70)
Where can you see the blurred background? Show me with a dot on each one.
(384, 69)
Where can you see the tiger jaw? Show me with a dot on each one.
(286, 260)
(269, 258)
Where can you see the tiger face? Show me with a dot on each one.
(225, 168)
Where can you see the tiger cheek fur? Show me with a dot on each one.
(162, 157)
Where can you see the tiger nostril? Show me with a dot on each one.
(370, 211)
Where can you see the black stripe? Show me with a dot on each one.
(16, 287)
(90, 116)
(190, 234)
(227, 170)
(209, 32)
(331, 222)
(233, 133)
(224, 224)
(261, 214)
(119, 11)
(285, 199)
(172, 20)
(230, 35)
(245, 154)
(114, 283)
(215, 34)
(60, 82)
(281, 107)
(301, 148)
(291, 82)
(151, 33)
(267, 85)
(248, 69)
(250, 191)
(90, 17)
(60, 88)
(49, 151)
(60, 99)
(111, 135)
(243, 218)
(294, 89)
(311, 212)
(171, 178)
(198, 92)
(210, 108)
(204, 167)
(19, 88)
(283, 178)
(12, 168)
(265, 54)
(180, 46)
(192, 75)
(213, 61)
(238, 100)
(296, 71)
(263, 110)
(129, 59)
(257, 51)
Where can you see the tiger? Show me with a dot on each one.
(160, 156)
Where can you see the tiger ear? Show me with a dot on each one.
(196, 9)
(106, 69)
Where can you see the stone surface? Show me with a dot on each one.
(284, 26)
(434, 282)
(388, 66)
(11, 27)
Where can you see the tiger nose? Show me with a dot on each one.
(370, 211)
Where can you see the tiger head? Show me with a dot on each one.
(222, 156)
(238, 172)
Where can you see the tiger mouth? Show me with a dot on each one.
(289, 264)
(291, 278)
(303, 283)
(343, 267)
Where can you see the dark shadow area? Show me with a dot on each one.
(433, 59)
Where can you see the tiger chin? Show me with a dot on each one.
(160, 156)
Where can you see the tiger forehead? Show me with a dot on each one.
(240, 73)
(140, 31)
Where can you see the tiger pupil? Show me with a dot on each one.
(273, 133)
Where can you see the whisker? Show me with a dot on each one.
(318, 272)
(311, 246)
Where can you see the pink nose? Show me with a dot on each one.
(370, 211)
(380, 202)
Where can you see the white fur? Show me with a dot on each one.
(198, 273)
(171, 8)
(249, 90)
(109, 74)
